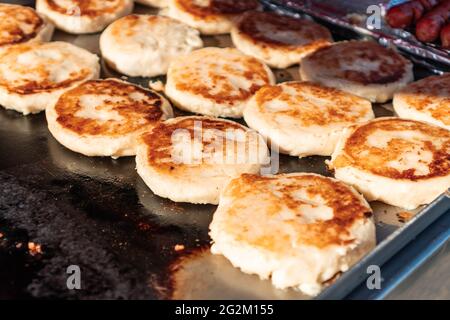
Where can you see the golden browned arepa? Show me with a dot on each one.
(19, 24)
(304, 118)
(190, 159)
(278, 40)
(215, 81)
(83, 16)
(34, 75)
(404, 163)
(144, 45)
(425, 100)
(209, 16)
(298, 229)
(106, 117)
(363, 68)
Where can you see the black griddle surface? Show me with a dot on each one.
(79, 218)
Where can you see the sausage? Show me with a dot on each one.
(428, 28)
(404, 15)
(445, 36)
(428, 4)
(233, 6)
(407, 13)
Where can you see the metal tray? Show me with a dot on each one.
(98, 214)
(352, 16)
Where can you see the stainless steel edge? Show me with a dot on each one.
(390, 246)
(216, 276)
(398, 38)
(386, 249)
(405, 268)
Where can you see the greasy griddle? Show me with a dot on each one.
(129, 243)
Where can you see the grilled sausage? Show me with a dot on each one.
(428, 4)
(407, 13)
(445, 36)
(428, 28)
(403, 15)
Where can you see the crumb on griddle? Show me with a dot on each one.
(156, 85)
(179, 247)
(404, 216)
(34, 248)
(19, 245)
(143, 226)
(332, 279)
(356, 18)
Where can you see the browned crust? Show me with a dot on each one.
(12, 33)
(126, 25)
(270, 29)
(373, 159)
(85, 7)
(137, 115)
(330, 60)
(347, 208)
(159, 141)
(189, 79)
(432, 95)
(342, 106)
(216, 8)
(31, 86)
(129, 25)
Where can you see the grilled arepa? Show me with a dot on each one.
(209, 16)
(83, 16)
(215, 81)
(278, 40)
(34, 75)
(426, 100)
(19, 24)
(404, 163)
(144, 45)
(106, 117)
(303, 118)
(363, 68)
(299, 229)
(190, 159)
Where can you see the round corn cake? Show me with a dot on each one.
(106, 117)
(300, 230)
(209, 16)
(34, 75)
(303, 118)
(19, 24)
(278, 40)
(404, 163)
(425, 100)
(363, 68)
(215, 81)
(83, 16)
(190, 159)
(144, 45)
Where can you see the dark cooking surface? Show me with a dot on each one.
(98, 214)
(92, 212)
(82, 217)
